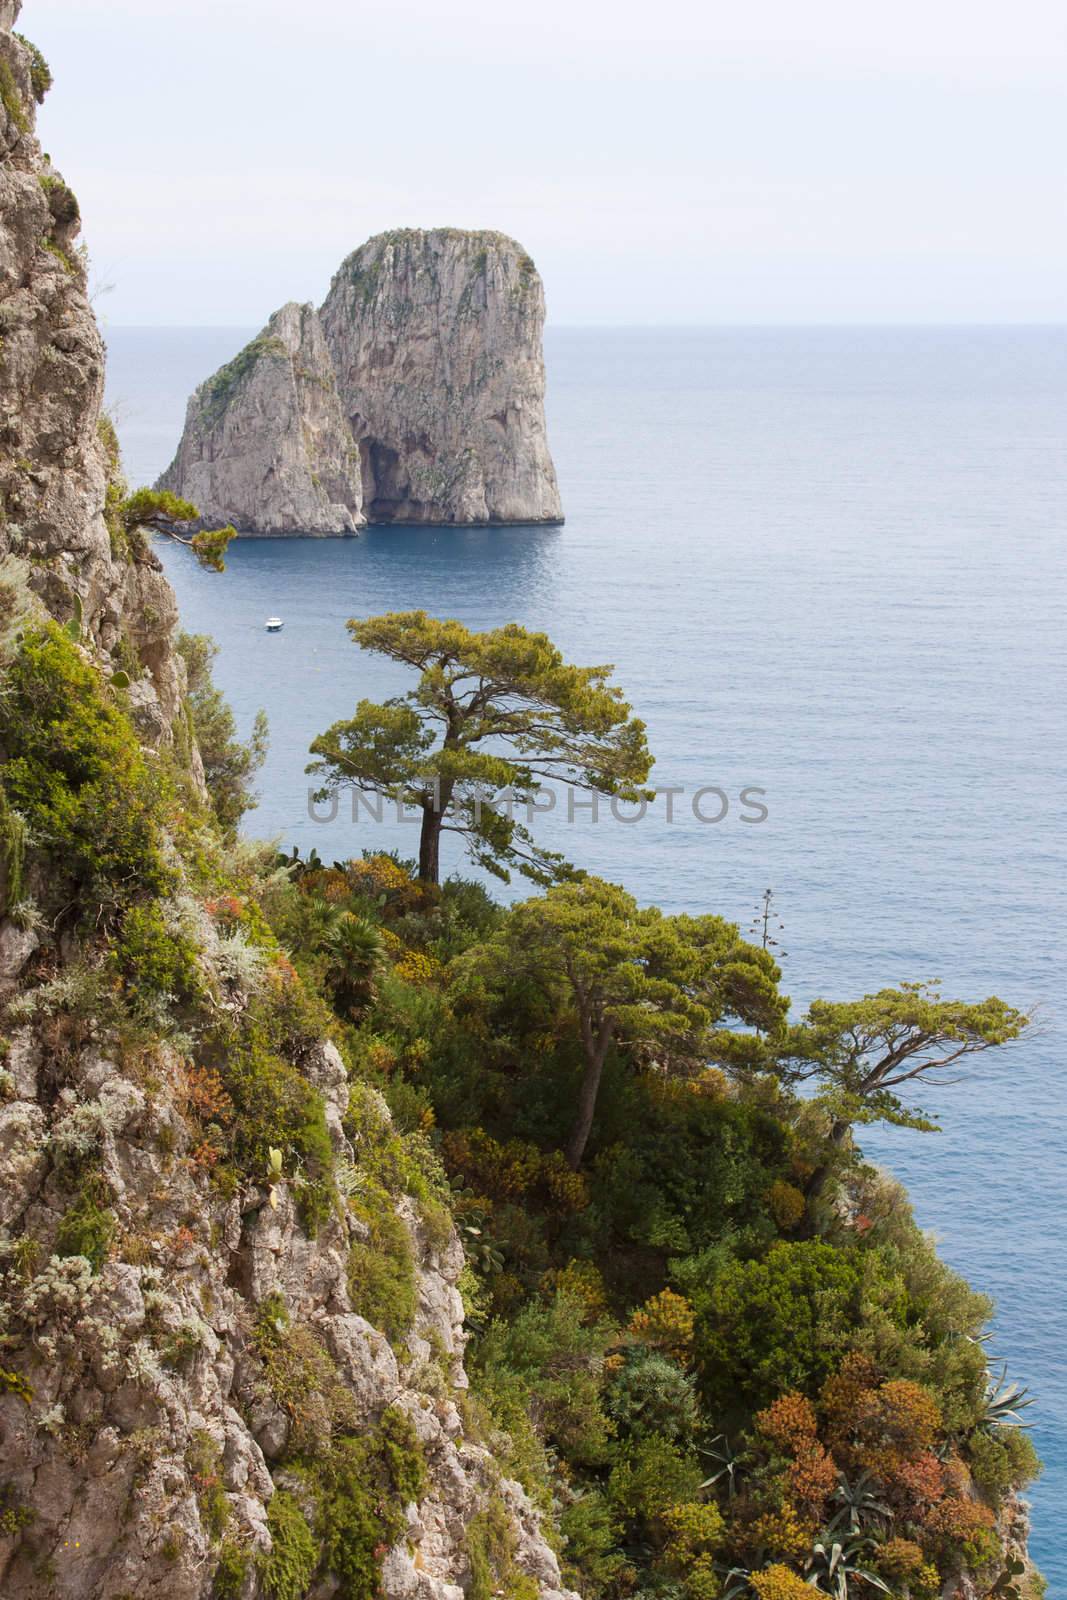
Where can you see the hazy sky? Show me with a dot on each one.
(663, 161)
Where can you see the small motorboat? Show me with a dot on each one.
(274, 624)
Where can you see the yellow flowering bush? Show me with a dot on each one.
(415, 966)
(665, 1322)
(778, 1583)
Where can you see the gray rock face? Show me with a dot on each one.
(266, 446)
(54, 461)
(436, 341)
(416, 395)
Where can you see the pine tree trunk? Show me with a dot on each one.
(595, 1054)
(430, 844)
(815, 1185)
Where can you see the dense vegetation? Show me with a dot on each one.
(710, 1341)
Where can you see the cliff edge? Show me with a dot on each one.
(231, 1342)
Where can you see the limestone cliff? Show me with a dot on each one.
(188, 1382)
(265, 445)
(436, 340)
(57, 455)
(428, 346)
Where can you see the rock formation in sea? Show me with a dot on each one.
(436, 340)
(178, 1352)
(266, 446)
(429, 346)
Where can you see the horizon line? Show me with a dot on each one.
(654, 327)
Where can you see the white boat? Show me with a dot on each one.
(274, 624)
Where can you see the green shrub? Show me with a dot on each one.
(650, 1476)
(203, 1461)
(40, 71)
(381, 1268)
(14, 1516)
(777, 1324)
(491, 1545)
(288, 1570)
(303, 1379)
(87, 1227)
(651, 1394)
(1001, 1460)
(593, 1562)
(11, 99)
(276, 1108)
(546, 1364)
(13, 838)
(152, 958)
(76, 774)
(363, 1488)
(229, 763)
(231, 1571)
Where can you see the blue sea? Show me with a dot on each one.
(828, 564)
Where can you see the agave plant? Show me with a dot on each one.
(728, 1465)
(860, 1505)
(1002, 1403)
(831, 1568)
(736, 1582)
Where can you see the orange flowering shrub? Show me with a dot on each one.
(789, 1422)
(812, 1477)
(964, 1532)
(848, 1395)
(227, 908)
(908, 1416)
(666, 1323)
(379, 878)
(919, 1480)
(205, 1096)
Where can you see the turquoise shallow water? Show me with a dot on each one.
(828, 563)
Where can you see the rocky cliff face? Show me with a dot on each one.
(57, 457)
(266, 446)
(188, 1381)
(436, 340)
(429, 347)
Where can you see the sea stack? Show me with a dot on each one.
(416, 394)
(435, 336)
(266, 446)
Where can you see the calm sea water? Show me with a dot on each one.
(826, 563)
